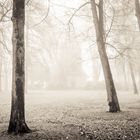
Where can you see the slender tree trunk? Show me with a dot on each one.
(17, 122)
(132, 73)
(6, 78)
(125, 75)
(137, 11)
(111, 91)
(133, 78)
(96, 70)
(139, 79)
(1, 72)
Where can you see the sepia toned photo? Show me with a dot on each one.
(69, 69)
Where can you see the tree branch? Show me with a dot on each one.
(77, 11)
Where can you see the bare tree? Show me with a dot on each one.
(137, 11)
(99, 28)
(133, 78)
(17, 122)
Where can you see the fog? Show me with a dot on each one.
(61, 50)
(71, 59)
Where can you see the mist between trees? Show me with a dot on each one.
(68, 45)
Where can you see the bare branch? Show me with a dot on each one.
(107, 34)
(77, 11)
(44, 17)
(120, 53)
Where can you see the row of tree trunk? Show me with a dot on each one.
(17, 120)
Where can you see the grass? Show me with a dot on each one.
(75, 115)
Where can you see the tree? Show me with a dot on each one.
(17, 122)
(99, 28)
(133, 78)
(137, 11)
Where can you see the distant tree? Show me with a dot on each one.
(99, 28)
(5, 10)
(17, 122)
(133, 77)
(137, 11)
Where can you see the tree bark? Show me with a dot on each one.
(111, 91)
(17, 122)
(137, 11)
(26, 53)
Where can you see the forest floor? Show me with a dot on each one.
(75, 115)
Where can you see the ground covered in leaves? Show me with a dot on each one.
(75, 115)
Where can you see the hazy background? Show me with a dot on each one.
(61, 51)
(65, 88)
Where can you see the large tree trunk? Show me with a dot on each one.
(17, 119)
(111, 91)
(26, 52)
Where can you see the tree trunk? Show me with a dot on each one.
(133, 78)
(111, 91)
(125, 77)
(139, 79)
(1, 63)
(17, 122)
(137, 11)
(26, 53)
